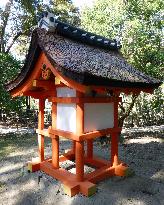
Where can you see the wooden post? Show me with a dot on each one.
(90, 148)
(41, 126)
(114, 149)
(79, 161)
(79, 154)
(55, 152)
(74, 146)
(114, 137)
(55, 140)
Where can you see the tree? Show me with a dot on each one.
(66, 11)
(138, 24)
(9, 69)
(19, 18)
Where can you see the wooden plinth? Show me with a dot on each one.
(71, 184)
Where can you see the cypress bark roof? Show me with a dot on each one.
(83, 60)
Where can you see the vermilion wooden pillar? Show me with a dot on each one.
(90, 148)
(73, 146)
(41, 126)
(79, 153)
(55, 139)
(114, 138)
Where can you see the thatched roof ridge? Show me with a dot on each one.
(86, 64)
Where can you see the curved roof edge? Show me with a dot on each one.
(85, 78)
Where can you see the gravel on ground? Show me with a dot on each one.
(142, 150)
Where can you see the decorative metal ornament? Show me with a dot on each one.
(46, 72)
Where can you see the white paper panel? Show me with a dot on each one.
(66, 117)
(98, 116)
(66, 92)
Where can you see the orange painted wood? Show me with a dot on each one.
(100, 99)
(79, 115)
(44, 132)
(41, 126)
(46, 84)
(67, 156)
(69, 135)
(71, 188)
(79, 154)
(79, 157)
(38, 94)
(118, 90)
(64, 99)
(73, 146)
(27, 85)
(55, 152)
(33, 165)
(99, 133)
(90, 148)
(54, 115)
(87, 188)
(71, 185)
(66, 134)
(41, 114)
(116, 114)
(100, 174)
(55, 139)
(84, 99)
(114, 149)
(65, 80)
(69, 180)
(120, 170)
(60, 174)
(96, 162)
(114, 138)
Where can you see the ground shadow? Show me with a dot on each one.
(146, 187)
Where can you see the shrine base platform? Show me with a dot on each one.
(71, 185)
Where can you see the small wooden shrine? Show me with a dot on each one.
(82, 74)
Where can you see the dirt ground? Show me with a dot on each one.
(142, 150)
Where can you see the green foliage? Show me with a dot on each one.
(66, 11)
(19, 17)
(104, 18)
(138, 24)
(9, 68)
(142, 36)
(17, 20)
(148, 109)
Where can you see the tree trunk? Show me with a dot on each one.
(126, 112)
(5, 17)
(13, 41)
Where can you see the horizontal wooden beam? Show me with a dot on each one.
(47, 84)
(67, 156)
(66, 134)
(64, 99)
(99, 133)
(72, 136)
(84, 99)
(96, 162)
(52, 133)
(39, 94)
(60, 174)
(100, 174)
(118, 90)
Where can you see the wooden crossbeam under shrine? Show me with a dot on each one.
(82, 78)
(79, 182)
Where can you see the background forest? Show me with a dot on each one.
(138, 25)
